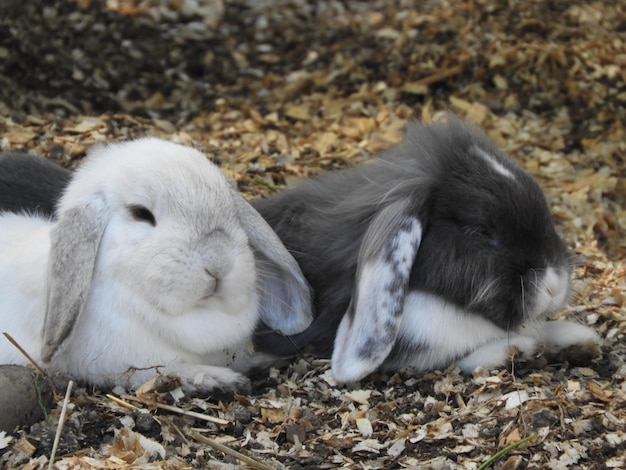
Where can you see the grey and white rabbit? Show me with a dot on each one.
(153, 263)
(440, 250)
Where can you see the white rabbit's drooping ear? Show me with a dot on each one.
(284, 293)
(369, 328)
(74, 246)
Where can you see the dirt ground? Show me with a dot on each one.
(278, 90)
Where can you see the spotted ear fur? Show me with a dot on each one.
(370, 327)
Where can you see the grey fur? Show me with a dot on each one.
(30, 183)
(76, 236)
(281, 284)
(477, 223)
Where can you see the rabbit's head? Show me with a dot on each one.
(159, 221)
(489, 244)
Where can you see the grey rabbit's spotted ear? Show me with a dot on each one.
(74, 246)
(370, 327)
(284, 293)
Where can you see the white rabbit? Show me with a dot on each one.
(153, 264)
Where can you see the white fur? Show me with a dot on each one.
(553, 292)
(549, 336)
(561, 334)
(497, 353)
(493, 163)
(22, 285)
(446, 333)
(177, 297)
(443, 331)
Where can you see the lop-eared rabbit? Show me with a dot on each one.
(153, 263)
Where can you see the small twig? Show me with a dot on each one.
(57, 436)
(20, 349)
(180, 433)
(121, 402)
(262, 182)
(232, 452)
(175, 409)
(506, 450)
(440, 75)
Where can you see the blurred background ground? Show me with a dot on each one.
(275, 91)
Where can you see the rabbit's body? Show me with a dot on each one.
(148, 267)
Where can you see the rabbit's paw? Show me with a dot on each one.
(498, 352)
(566, 341)
(203, 378)
(561, 334)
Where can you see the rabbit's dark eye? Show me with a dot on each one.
(484, 234)
(142, 214)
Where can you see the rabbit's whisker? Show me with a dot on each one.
(484, 293)
(523, 296)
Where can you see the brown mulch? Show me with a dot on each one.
(275, 91)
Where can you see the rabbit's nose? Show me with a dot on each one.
(555, 283)
(553, 292)
(213, 283)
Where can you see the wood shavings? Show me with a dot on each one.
(279, 91)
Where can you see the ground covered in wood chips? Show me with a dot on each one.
(278, 90)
